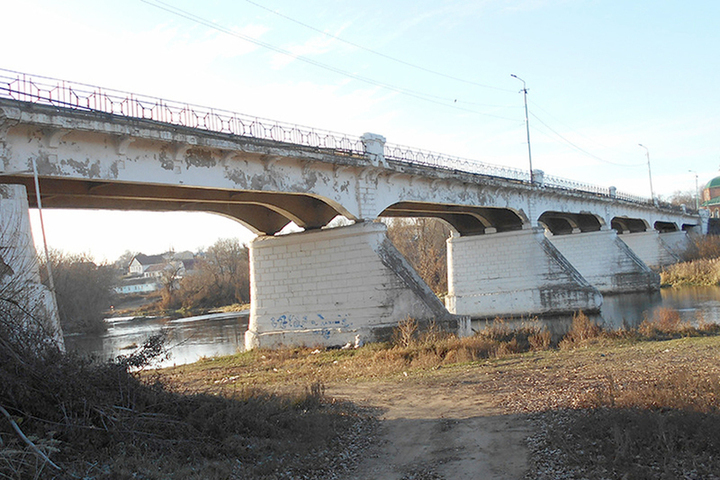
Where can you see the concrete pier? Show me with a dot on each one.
(514, 274)
(22, 296)
(606, 262)
(325, 287)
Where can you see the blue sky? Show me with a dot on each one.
(602, 76)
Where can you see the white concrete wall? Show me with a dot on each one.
(324, 287)
(650, 248)
(19, 274)
(676, 243)
(606, 262)
(513, 274)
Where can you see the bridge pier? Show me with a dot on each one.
(606, 262)
(23, 298)
(324, 287)
(657, 249)
(514, 274)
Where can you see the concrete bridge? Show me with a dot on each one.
(520, 246)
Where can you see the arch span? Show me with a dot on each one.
(466, 220)
(262, 212)
(629, 225)
(563, 223)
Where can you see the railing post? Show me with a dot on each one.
(374, 146)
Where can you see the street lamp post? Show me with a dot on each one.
(647, 153)
(527, 123)
(697, 191)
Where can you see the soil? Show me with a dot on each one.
(438, 431)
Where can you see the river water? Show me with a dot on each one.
(192, 338)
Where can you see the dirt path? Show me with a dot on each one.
(438, 431)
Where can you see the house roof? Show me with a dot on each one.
(149, 259)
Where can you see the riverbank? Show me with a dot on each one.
(504, 404)
(601, 405)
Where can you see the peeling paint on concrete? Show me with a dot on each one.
(166, 160)
(198, 157)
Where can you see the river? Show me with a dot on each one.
(192, 338)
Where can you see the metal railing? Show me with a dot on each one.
(61, 93)
(448, 162)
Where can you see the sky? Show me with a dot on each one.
(602, 76)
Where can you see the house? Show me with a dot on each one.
(176, 267)
(141, 262)
(137, 285)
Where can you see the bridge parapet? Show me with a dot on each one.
(61, 93)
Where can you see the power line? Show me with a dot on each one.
(375, 52)
(575, 131)
(444, 101)
(583, 150)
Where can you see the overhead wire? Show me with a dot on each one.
(443, 101)
(375, 52)
(572, 129)
(582, 150)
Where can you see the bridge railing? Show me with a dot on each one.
(61, 93)
(448, 162)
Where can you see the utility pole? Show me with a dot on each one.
(647, 153)
(697, 191)
(527, 123)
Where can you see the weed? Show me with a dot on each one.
(582, 332)
(405, 333)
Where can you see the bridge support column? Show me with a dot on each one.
(23, 298)
(325, 287)
(657, 249)
(514, 274)
(606, 262)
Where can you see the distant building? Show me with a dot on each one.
(137, 285)
(711, 197)
(141, 262)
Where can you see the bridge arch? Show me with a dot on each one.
(629, 225)
(263, 213)
(665, 227)
(563, 223)
(465, 220)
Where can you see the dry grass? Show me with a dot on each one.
(98, 421)
(702, 247)
(702, 272)
(618, 396)
(701, 266)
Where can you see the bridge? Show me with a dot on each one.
(522, 244)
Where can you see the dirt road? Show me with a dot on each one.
(438, 431)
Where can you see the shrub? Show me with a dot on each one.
(582, 332)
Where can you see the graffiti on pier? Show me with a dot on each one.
(321, 324)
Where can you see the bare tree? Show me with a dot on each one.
(221, 277)
(423, 242)
(83, 290)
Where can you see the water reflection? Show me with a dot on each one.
(693, 304)
(223, 334)
(189, 339)
(630, 309)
